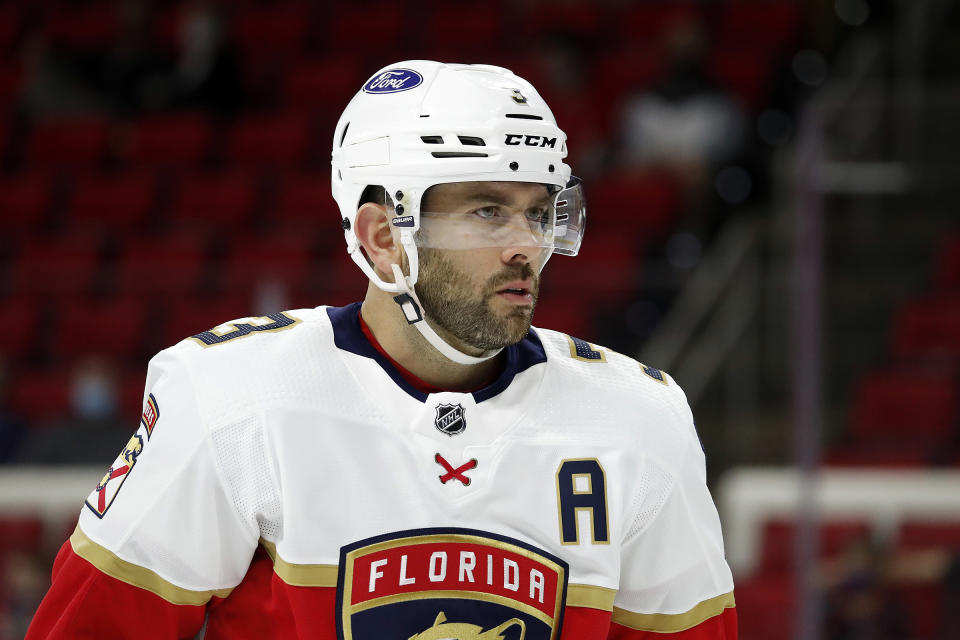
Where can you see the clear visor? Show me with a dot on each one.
(556, 225)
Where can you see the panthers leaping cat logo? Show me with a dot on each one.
(443, 630)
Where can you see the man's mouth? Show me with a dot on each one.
(517, 293)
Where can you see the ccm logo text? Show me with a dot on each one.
(516, 139)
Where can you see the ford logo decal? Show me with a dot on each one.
(393, 81)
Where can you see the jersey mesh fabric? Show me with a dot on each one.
(655, 486)
(241, 454)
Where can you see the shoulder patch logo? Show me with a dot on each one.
(108, 487)
(449, 583)
(151, 413)
(111, 482)
(450, 419)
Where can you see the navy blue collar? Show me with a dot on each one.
(348, 335)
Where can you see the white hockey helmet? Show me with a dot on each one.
(419, 123)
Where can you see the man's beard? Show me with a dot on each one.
(450, 299)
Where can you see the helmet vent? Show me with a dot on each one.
(524, 116)
(344, 134)
(432, 139)
(458, 154)
(472, 141)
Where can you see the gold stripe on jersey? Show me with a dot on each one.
(301, 575)
(455, 594)
(108, 562)
(588, 595)
(674, 622)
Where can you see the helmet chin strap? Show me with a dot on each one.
(413, 311)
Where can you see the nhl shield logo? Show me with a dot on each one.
(450, 419)
(456, 584)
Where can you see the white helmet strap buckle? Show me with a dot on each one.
(412, 310)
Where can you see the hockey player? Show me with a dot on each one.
(423, 464)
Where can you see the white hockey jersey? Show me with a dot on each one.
(286, 481)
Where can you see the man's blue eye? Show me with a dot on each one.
(486, 212)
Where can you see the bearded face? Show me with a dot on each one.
(469, 308)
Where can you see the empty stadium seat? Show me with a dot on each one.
(72, 143)
(282, 140)
(41, 395)
(20, 533)
(564, 313)
(771, 24)
(113, 327)
(58, 265)
(172, 263)
(645, 23)
(116, 201)
(25, 200)
(176, 140)
(928, 327)
(255, 261)
(606, 269)
(279, 29)
(948, 265)
(899, 405)
(633, 203)
(88, 28)
(929, 534)
(324, 83)
(386, 19)
(21, 325)
(221, 200)
(745, 72)
(464, 27)
(304, 202)
(779, 537)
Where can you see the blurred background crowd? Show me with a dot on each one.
(772, 189)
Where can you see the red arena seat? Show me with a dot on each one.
(74, 143)
(280, 29)
(779, 537)
(41, 395)
(113, 327)
(62, 265)
(948, 265)
(224, 200)
(118, 201)
(21, 320)
(179, 140)
(276, 140)
(303, 202)
(282, 258)
(324, 83)
(25, 200)
(930, 534)
(170, 264)
(901, 406)
(928, 327)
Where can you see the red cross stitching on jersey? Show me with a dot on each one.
(455, 474)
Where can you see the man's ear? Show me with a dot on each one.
(372, 227)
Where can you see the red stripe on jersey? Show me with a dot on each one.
(583, 622)
(720, 627)
(84, 603)
(263, 607)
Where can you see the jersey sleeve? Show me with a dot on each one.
(675, 582)
(159, 535)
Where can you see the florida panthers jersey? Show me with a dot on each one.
(287, 481)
